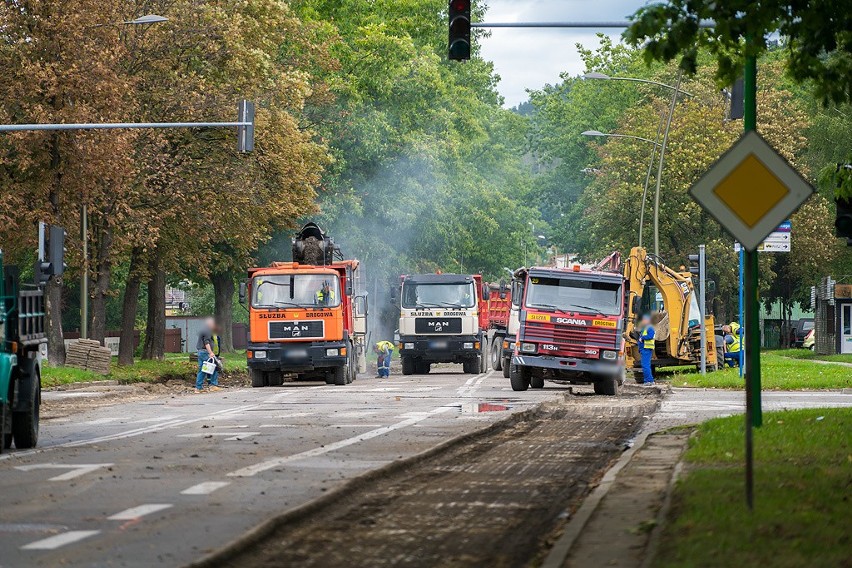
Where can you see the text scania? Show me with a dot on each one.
(571, 321)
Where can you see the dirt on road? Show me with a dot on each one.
(498, 501)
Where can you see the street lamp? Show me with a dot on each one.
(647, 175)
(84, 216)
(677, 91)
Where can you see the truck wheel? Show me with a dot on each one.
(258, 378)
(471, 366)
(6, 426)
(537, 382)
(339, 375)
(422, 367)
(407, 365)
(25, 423)
(497, 353)
(507, 363)
(275, 379)
(638, 376)
(607, 386)
(483, 359)
(520, 377)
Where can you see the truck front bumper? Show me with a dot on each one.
(570, 365)
(294, 357)
(440, 349)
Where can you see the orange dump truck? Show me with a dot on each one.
(307, 318)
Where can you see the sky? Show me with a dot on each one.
(529, 58)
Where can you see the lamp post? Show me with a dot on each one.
(647, 175)
(677, 91)
(84, 214)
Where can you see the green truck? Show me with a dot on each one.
(22, 334)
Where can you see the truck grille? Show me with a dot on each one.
(437, 325)
(296, 330)
(571, 340)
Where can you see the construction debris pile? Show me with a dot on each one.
(89, 355)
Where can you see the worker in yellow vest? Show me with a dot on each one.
(733, 344)
(646, 348)
(384, 350)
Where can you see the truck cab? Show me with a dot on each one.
(571, 326)
(442, 320)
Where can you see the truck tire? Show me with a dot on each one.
(258, 378)
(483, 358)
(25, 422)
(275, 379)
(720, 358)
(471, 366)
(507, 363)
(520, 377)
(422, 367)
(497, 353)
(407, 365)
(5, 426)
(607, 386)
(537, 382)
(339, 375)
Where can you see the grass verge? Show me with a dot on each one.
(803, 471)
(777, 373)
(174, 366)
(807, 354)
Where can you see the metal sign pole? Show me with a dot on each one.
(741, 321)
(702, 277)
(753, 416)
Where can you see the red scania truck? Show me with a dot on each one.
(572, 322)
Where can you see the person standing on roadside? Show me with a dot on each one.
(208, 348)
(646, 348)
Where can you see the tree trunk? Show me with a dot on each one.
(223, 293)
(127, 342)
(155, 329)
(53, 305)
(100, 288)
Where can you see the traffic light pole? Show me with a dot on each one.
(753, 416)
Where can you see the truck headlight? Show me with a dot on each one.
(468, 345)
(528, 347)
(409, 346)
(260, 354)
(611, 355)
(331, 352)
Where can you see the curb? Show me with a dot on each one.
(254, 535)
(559, 552)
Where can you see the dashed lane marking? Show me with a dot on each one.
(76, 469)
(140, 511)
(54, 542)
(278, 462)
(205, 488)
(230, 435)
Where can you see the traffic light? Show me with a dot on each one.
(843, 221)
(695, 264)
(52, 261)
(459, 46)
(737, 110)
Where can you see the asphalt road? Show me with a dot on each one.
(163, 482)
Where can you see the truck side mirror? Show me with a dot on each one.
(243, 292)
(349, 278)
(361, 306)
(637, 305)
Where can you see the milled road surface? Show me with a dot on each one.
(493, 502)
(165, 481)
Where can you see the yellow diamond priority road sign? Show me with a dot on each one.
(751, 190)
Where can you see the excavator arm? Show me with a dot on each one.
(672, 321)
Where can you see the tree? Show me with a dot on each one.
(817, 38)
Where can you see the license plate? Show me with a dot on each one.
(296, 353)
(438, 344)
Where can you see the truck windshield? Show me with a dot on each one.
(574, 295)
(295, 290)
(416, 295)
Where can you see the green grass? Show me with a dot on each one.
(175, 366)
(810, 355)
(777, 373)
(803, 474)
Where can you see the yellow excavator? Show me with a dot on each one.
(671, 300)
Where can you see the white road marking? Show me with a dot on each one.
(472, 384)
(278, 462)
(234, 435)
(354, 425)
(54, 542)
(76, 469)
(205, 488)
(140, 511)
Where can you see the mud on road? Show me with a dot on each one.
(499, 500)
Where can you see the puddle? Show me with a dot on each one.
(480, 407)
